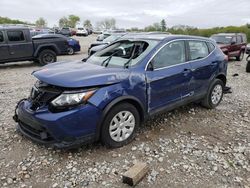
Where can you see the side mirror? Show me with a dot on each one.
(233, 42)
(150, 66)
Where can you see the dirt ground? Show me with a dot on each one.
(188, 147)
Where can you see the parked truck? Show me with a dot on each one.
(16, 44)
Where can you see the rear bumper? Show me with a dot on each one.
(62, 130)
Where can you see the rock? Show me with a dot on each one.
(27, 176)
(134, 148)
(160, 159)
(24, 168)
(9, 180)
(55, 185)
(147, 149)
(211, 156)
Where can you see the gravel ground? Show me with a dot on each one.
(187, 147)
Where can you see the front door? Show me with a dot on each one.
(169, 77)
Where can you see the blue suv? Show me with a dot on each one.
(108, 95)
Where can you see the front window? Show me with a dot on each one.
(171, 54)
(220, 39)
(123, 53)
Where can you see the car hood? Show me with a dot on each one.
(80, 74)
(99, 47)
(99, 43)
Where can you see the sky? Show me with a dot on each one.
(133, 13)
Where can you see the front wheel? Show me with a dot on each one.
(120, 125)
(47, 56)
(214, 94)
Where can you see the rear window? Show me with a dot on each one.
(198, 50)
(15, 36)
(211, 47)
(1, 36)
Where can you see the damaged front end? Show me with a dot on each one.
(50, 117)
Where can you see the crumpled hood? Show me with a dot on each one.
(78, 74)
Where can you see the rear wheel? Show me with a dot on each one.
(240, 57)
(71, 51)
(47, 56)
(214, 94)
(120, 125)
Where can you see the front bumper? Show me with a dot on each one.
(62, 130)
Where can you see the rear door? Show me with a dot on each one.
(20, 44)
(239, 43)
(4, 48)
(203, 65)
(169, 80)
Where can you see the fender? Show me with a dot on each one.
(112, 104)
(46, 46)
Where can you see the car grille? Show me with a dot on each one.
(41, 94)
(39, 132)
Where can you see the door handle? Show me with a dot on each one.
(214, 63)
(186, 71)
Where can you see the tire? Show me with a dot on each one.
(214, 94)
(113, 124)
(240, 57)
(248, 67)
(71, 51)
(47, 56)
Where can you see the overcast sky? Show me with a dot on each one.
(133, 13)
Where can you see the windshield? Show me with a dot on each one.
(112, 38)
(222, 39)
(123, 53)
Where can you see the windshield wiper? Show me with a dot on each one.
(109, 59)
(127, 64)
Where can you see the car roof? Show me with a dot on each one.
(161, 37)
(229, 34)
(11, 27)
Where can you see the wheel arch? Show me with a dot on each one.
(45, 47)
(223, 78)
(123, 99)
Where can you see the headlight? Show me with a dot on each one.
(72, 99)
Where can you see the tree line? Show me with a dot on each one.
(73, 21)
